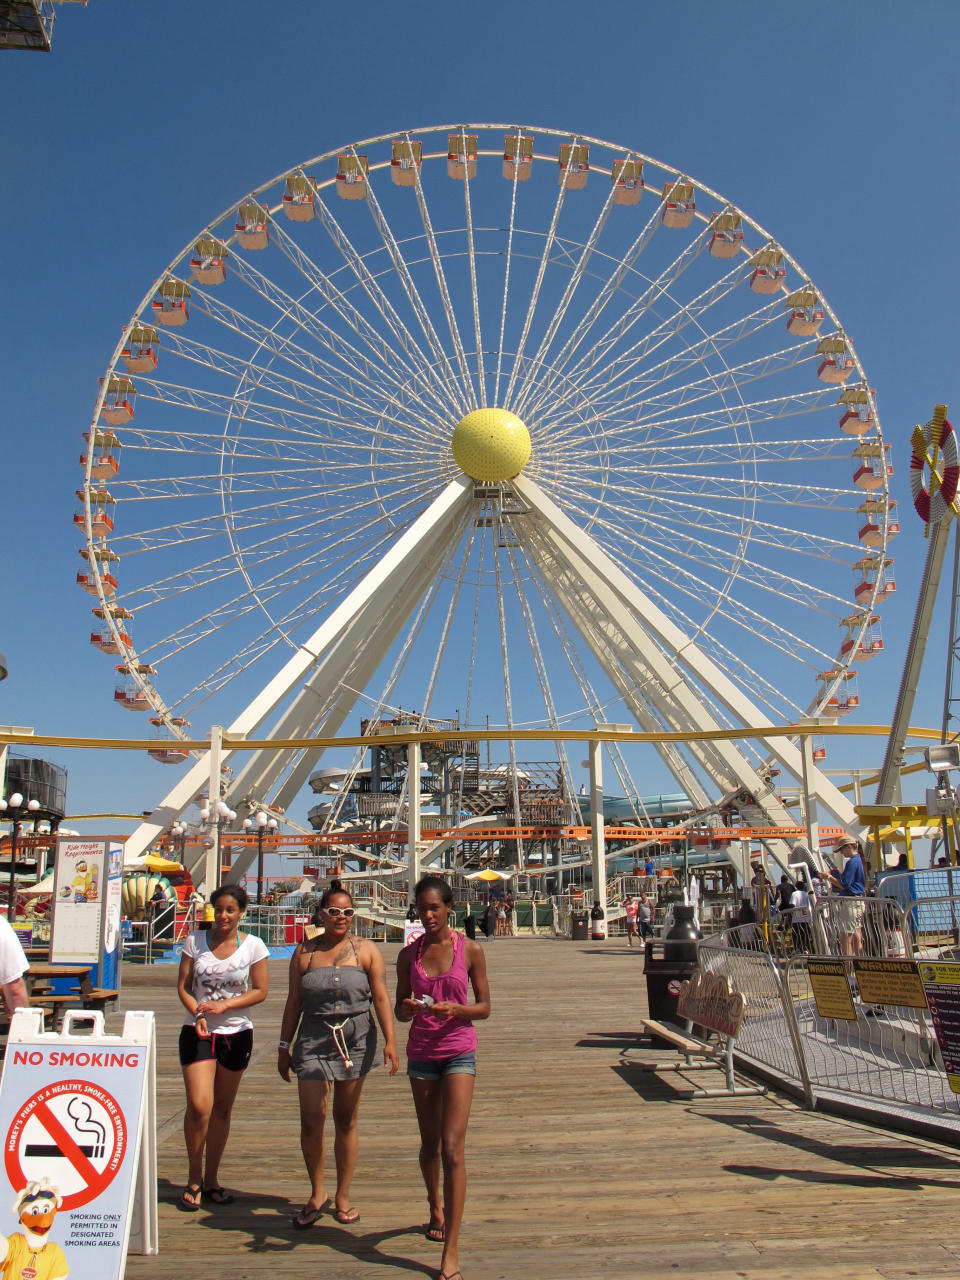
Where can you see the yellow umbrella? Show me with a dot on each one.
(488, 873)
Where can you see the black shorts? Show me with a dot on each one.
(231, 1051)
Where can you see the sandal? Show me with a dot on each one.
(308, 1215)
(346, 1216)
(190, 1198)
(436, 1231)
(217, 1195)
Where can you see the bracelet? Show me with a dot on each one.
(283, 1044)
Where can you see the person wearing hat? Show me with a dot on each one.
(850, 884)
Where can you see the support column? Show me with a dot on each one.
(810, 816)
(211, 861)
(597, 843)
(413, 816)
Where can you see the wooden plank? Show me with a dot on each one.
(580, 1165)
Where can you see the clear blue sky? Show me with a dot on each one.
(834, 125)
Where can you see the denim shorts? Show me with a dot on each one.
(461, 1064)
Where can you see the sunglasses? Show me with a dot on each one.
(336, 912)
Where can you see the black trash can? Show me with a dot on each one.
(580, 930)
(663, 982)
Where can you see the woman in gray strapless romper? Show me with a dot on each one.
(334, 980)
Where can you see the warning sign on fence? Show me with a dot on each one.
(77, 1120)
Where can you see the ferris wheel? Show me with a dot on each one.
(495, 419)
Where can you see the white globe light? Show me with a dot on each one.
(262, 819)
(33, 805)
(204, 815)
(16, 800)
(247, 824)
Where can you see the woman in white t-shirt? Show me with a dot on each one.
(222, 973)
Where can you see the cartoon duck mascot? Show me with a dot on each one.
(29, 1254)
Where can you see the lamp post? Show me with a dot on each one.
(224, 814)
(263, 823)
(179, 833)
(16, 804)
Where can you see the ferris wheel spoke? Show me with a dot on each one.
(699, 516)
(731, 562)
(601, 349)
(260, 413)
(474, 284)
(607, 293)
(545, 257)
(377, 365)
(320, 392)
(713, 344)
(466, 382)
(563, 306)
(746, 415)
(747, 572)
(416, 362)
(647, 402)
(454, 390)
(751, 621)
(508, 260)
(355, 370)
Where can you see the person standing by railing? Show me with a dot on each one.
(850, 885)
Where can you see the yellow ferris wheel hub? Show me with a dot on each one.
(491, 445)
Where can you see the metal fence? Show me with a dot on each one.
(885, 1059)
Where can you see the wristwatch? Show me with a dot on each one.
(283, 1044)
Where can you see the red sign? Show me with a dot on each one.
(73, 1130)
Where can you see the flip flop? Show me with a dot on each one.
(454, 1275)
(217, 1195)
(434, 1231)
(308, 1215)
(190, 1198)
(346, 1216)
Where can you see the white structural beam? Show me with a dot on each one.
(597, 844)
(413, 816)
(665, 649)
(382, 583)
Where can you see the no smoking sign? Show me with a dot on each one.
(72, 1132)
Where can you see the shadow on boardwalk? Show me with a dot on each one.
(580, 1165)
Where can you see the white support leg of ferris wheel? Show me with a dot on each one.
(333, 688)
(430, 531)
(211, 861)
(413, 816)
(634, 694)
(597, 845)
(611, 586)
(609, 625)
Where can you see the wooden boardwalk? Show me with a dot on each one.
(579, 1164)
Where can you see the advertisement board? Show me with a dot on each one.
(85, 923)
(78, 1123)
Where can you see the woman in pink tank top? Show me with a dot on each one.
(434, 975)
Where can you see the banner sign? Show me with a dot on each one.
(77, 1121)
(941, 986)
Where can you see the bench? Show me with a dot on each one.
(95, 997)
(706, 1000)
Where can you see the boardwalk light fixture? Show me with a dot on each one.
(15, 808)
